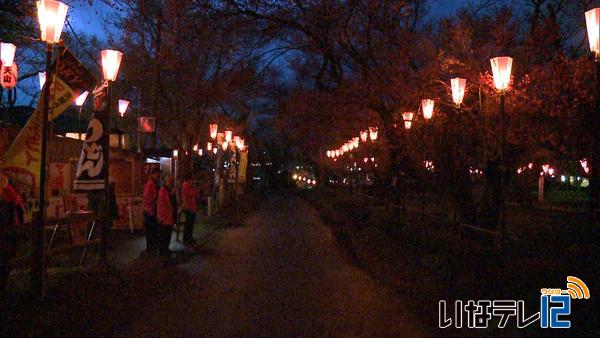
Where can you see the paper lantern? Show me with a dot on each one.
(80, 100)
(7, 54)
(123, 104)
(458, 90)
(111, 61)
(592, 21)
(501, 69)
(427, 106)
(213, 130)
(373, 133)
(228, 135)
(146, 124)
(209, 146)
(51, 16)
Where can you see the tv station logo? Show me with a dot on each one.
(555, 307)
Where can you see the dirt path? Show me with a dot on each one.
(280, 275)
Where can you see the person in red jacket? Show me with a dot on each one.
(164, 215)
(149, 202)
(189, 205)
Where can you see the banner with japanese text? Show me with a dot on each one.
(22, 160)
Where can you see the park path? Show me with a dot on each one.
(279, 275)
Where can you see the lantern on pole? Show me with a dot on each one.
(51, 16)
(545, 168)
(123, 104)
(215, 150)
(225, 145)
(7, 54)
(42, 78)
(213, 130)
(209, 146)
(592, 21)
(355, 141)
(458, 90)
(220, 137)
(200, 152)
(407, 117)
(80, 100)
(364, 135)
(228, 135)
(337, 153)
(195, 147)
(373, 133)
(584, 165)
(501, 69)
(427, 106)
(111, 61)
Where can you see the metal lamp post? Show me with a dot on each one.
(427, 106)
(111, 61)
(51, 17)
(501, 69)
(592, 18)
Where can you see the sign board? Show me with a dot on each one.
(146, 124)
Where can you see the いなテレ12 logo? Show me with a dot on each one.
(555, 306)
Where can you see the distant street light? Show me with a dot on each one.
(51, 17)
(123, 104)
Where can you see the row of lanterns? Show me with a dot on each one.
(307, 180)
(353, 143)
(225, 140)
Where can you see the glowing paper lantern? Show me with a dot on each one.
(213, 130)
(51, 16)
(458, 90)
(337, 153)
(373, 133)
(228, 135)
(355, 141)
(80, 100)
(592, 20)
(545, 168)
(225, 145)
(366, 160)
(551, 171)
(345, 147)
(220, 137)
(42, 78)
(427, 105)
(215, 150)
(7, 54)
(111, 61)
(501, 68)
(208, 146)
(364, 135)
(407, 117)
(175, 153)
(123, 104)
(195, 147)
(200, 152)
(584, 165)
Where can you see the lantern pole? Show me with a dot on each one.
(38, 269)
(107, 206)
(503, 169)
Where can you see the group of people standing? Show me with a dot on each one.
(161, 211)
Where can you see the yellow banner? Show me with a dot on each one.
(22, 160)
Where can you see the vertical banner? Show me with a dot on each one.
(92, 166)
